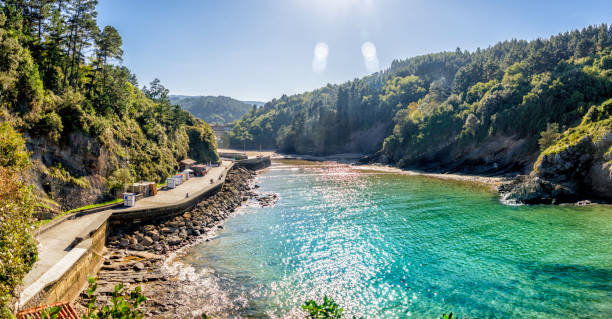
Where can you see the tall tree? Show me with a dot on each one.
(83, 27)
(108, 47)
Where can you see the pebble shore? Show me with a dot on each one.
(135, 256)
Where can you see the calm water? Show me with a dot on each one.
(387, 245)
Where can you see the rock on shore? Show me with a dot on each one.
(181, 230)
(135, 256)
(581, 171)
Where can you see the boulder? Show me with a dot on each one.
(124, 242)
(139, 266)
(155, 236)
(174, 240)
(147, 241)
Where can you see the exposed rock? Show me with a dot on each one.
(147, 241)
(175, 232)
(139, 267)
(174, 240)
(124, 242)
(582, 170)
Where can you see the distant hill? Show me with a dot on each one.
(214, 109)
(258, 103)
(542, 107)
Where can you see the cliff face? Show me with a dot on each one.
(73, 174)
(497, 155)
(578, 166)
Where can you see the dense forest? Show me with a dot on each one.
(477, 112)
(85, 120)
(74, 126)
(212, 109)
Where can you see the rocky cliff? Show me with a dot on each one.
(577, 167)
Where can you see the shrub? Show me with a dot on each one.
(123, 304)
(17, 247)
(550, 136)
(118, 179)
(328, 309)
(58, 172)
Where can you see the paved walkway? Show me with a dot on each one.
(193, 187)
(56, 249)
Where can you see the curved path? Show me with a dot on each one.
(61, 245)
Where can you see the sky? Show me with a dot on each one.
(259, 50)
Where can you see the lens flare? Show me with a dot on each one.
(319, 61)
(370, 59)
(321, 50)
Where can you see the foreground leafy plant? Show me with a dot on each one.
(328, 309)
(124, 304)
(17, 246)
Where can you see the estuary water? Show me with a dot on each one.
(389, 245)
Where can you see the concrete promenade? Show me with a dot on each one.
(62, 245)
(194, 187)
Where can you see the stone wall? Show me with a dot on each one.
(74, 279)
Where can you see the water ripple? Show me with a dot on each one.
(395, 246)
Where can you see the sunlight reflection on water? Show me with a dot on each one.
(389, 246)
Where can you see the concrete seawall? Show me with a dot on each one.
(72, 248)
(149, 215)
(68, 276)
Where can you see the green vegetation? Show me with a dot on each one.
(595, 125)
(438, 108)
(550, 136)
(327, 309)
(213, 109)
(61, 88)
(61, 174)
(118, 180)
(60, 85)
(123, 304)
(17, 247)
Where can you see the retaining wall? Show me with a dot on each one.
(151, 215)
(68, 278)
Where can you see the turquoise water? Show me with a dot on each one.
(387, 245)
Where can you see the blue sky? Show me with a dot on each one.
(258, 50)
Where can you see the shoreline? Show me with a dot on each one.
(177, 290)
(143, 255)
(492, 181)
(352, 158)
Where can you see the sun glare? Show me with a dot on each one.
(319, 61)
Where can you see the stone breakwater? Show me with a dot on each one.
(136, 255)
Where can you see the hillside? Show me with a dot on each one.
(258, 103)
(212, 109)
(476, 112)
(87, 125)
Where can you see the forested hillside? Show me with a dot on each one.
(481, 111)
(87, 125)
(213, 109)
